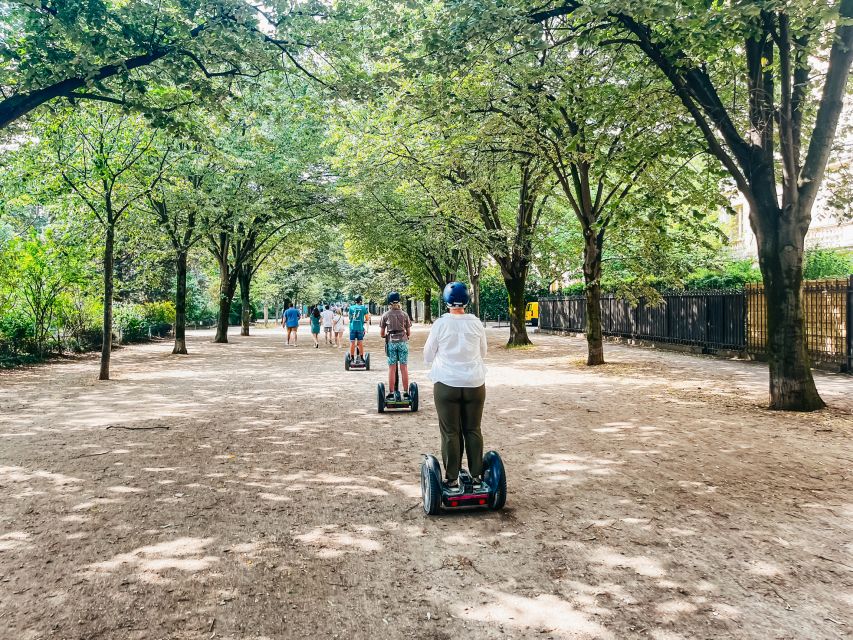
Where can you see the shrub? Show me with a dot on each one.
(17, 335)
(827, 263)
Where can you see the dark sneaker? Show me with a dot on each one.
(390, 397)
(451, 484)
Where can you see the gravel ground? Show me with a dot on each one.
(252, 491)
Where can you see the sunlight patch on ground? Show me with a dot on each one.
(558, 467)
(182, 554)
(21, 474)
(83, 506)
(123, 489)
(766, 569)
(331, 542)
(675, 607)
(14, 540)
(544, 614)
(407, 489)
(274, 497)
(642, 565)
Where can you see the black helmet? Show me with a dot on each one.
(393, 297)
(358, 298)
(455, 294)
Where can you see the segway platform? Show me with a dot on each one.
(357, 365)
(488, 494)
(399, 402)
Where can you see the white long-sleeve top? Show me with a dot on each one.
(455, 348)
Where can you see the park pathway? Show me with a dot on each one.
(250, 491)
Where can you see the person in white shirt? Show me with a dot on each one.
(338, 326)
(455, 348)
(328, 318)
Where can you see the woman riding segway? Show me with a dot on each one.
(455, 348)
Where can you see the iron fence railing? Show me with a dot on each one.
(718, 320)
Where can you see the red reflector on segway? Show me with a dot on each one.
(482, 502)
(454, 503)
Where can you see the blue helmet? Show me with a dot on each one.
(455, 294)
(393, 297)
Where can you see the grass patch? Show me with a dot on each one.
(519, 347)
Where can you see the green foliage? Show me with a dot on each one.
(733, 275)
(136, 322)
(827, 263)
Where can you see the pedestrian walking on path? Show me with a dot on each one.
(338, 326)
(328, 317)
(290, 321)
(315, 326)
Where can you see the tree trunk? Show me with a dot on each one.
(427, 306)
(109, 264)
(245, 279)
(792, 386)
(409, 308)
(475, 294)
(515, 286)
(226, 294)
(592, 289)
(181, 305)
(473, 265)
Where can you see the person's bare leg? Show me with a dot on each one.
(392, 374)
(361, 349)
(404, 375)
(352, 349)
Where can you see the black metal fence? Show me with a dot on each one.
(717, 320)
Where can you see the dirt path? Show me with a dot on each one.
(649, 498)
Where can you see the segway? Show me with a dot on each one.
(356, 365)
(399, 401)
(488, 494)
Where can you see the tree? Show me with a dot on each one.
(509, 222)
(43, 271)
(95, 154)
(179, 203)
(754, 96)
(151, 56)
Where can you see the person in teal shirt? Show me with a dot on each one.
(358, 315)
(315, 327)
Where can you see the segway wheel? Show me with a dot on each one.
(367, 362)
(431, 485)
(494, 476)
(413, 396)
(347, 362)
(380, 397)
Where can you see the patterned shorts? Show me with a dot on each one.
(398, 352)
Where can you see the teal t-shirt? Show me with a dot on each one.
(356, 317)
(315, 324)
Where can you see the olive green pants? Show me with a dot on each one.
(460, 410)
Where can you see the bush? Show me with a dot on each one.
(138, 322)
(236, 314)
(80, 316)
(17, 335)
(827, 263)
(733, 275)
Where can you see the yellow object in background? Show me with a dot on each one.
(531, 313)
